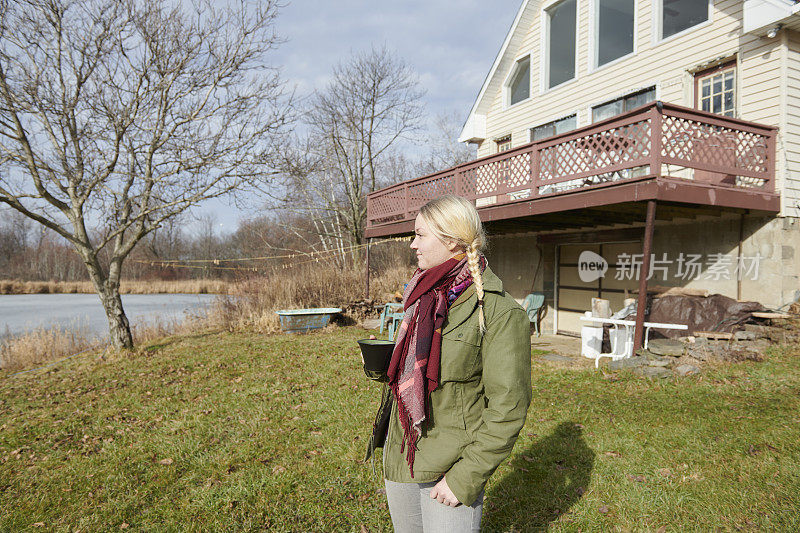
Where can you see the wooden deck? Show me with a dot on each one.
(663, 152)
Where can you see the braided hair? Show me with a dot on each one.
(455, 218)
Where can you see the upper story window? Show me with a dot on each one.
(561, 27)
(623, 104)
(614, 22)
(715, 90)
(503, 144)
(679, 15)
(518, 87)
(554, 127)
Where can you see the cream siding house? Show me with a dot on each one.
(767, 83)
(659, 129)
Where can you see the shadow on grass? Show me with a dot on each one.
(547, 479)
(153, 346)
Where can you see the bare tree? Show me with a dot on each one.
(120, 114)
(443, 150)
(372, 103)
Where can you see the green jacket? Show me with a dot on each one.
(480, 405)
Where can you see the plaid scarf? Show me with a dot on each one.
(414, 367)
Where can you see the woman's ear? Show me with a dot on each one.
(453, 246)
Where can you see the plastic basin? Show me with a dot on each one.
(303, 320)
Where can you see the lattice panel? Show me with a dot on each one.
(420, 193)
(468, 183)
(517, 173)
(387, 204)
(595, 152)
(707, 144)
(507, 174)
(486, 179)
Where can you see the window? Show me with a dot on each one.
(561, 43)
(555, 127)
(503, 144)
(715, 90)
(623, 104)
(519, 85)
(679, 15)
(614, 30)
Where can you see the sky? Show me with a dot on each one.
(450, 45)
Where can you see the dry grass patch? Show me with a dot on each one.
(43, 345)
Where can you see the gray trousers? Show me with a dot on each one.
(414, 511)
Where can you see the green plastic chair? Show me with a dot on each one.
(533, 304)
(390, 312)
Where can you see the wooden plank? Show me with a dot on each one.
(760, 314)
(713, 335)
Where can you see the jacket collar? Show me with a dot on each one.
(462, 308)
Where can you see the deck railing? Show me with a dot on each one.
(657, 139)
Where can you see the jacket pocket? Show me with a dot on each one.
(460, 353)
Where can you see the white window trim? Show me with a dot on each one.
(594, 40)
(737, 93)
(623, 95)
(507, 83)
(544, 23)
(562, 117)
(656, 23)
(502, 138)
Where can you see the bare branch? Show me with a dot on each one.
(122, 114)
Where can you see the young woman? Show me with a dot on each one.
(460, 377)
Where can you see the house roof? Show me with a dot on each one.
(475, 126)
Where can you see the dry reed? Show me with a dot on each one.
(44, 344)
(253, 302)
(189, 286)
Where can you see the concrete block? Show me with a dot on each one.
(787, 252)
(667, 347)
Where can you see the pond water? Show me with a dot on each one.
(20, 313)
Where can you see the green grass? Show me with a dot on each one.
(250, 432)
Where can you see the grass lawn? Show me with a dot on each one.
(248, 432)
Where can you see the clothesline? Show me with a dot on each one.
(315, 256)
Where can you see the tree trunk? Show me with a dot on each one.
(118, 327)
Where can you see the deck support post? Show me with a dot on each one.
(647, 247)
(366, 290)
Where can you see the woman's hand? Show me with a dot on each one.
(442, 493)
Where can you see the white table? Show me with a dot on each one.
(629, 325)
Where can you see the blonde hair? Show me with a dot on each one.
(455, 218)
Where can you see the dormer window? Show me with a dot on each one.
(518, 87)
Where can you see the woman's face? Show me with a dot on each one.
(430, 250)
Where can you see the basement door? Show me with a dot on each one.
(574, 296)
